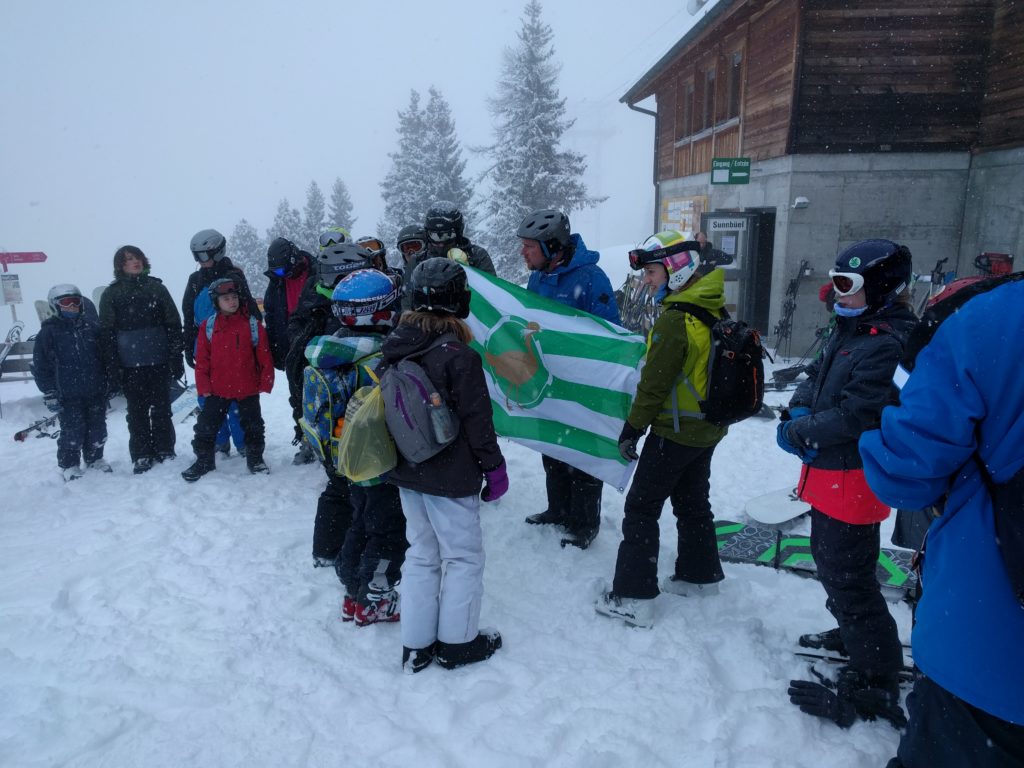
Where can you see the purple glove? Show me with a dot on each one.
(496, 483)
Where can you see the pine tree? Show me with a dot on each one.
(313, 218)
(339, 211)
(287, 223)
(527, 167)
(444, 155)
(406, 187)
(248, 252)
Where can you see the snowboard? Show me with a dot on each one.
(742, 543)
(776, 507)
(184, 402)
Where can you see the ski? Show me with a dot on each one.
(40, 426)
(907, 674)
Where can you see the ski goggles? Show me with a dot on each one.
(69, 303)
(412, 247)
(327, 239)
(279, 271)
(846, 283)
(372, 244)
(226, 288)
(444, 236)
(638, 257)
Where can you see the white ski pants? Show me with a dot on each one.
(443, 573)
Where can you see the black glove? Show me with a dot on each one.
(878, 702)
(628, 439)
(815, 699)
(190, 359)
(177, 368)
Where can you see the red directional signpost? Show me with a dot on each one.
(21, 257)
(11, 289)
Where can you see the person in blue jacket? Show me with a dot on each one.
(68, 366)
(958, 421)
(563, 269)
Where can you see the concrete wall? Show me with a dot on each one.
(916, 199)
(994, 214)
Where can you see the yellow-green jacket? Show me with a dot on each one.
(679, 344)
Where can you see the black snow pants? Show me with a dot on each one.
(682, 473)
(333, 517)
(83, 431)
(375, 544)
(846, 556)
(150, 428)
(574, 496)
(211, 419)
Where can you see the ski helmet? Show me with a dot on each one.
(548, 227)
(440, 285)
(367, 298)
(412, 241)
(375, 246)
(65, 297)
(208, 244)
(336, 261)
(222, 286)
(444, 223)
(881, 267)
(282, 257)
(671, 249)
(333, 236)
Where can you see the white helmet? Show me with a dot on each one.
(671, 248)
(59, 292)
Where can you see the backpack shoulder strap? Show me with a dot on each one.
(700, 313)
(254, 331)
(209, 326)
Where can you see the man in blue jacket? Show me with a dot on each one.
(561, 268)
(958, 432)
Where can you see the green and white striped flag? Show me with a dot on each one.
(561, 380)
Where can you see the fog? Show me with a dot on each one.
(142, 123)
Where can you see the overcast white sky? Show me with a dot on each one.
(143, 122)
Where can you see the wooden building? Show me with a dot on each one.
(901, 119)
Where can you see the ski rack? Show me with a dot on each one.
(783, 331)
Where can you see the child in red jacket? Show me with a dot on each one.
(233, 363)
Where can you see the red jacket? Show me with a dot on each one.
(227, 365)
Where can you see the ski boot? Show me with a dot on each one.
(256, 464)
(676, 586)
(348, 608)
(99, 465)
(417, 659)
(377, 606)
(71, 473)
(547, 517)
(635, 612)
(143, 465)
(198, 469)
(480, 648)
(831, 640)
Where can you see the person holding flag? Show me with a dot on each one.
(562, 268)
(676, 460)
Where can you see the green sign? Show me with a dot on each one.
(730, 170)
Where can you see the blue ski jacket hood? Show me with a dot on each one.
(962, 403)
(580, 284)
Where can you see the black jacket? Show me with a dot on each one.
(67, 358)
(275, 308)
(200, 281)
(850, 383)
(140, 324)
(312, 317)
(457, 372)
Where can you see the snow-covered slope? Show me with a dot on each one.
(149, 622)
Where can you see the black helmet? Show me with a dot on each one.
(412, 241)
(222, 286)
(548, 227)
(444, 222)
(208, 244)
(336, 261)
(282, 254)
(439, 285)
(884, 266)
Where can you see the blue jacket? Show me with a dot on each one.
(580, 284)
(67, 358)
(964, 396)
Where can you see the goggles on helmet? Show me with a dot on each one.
(443, 236)
(640, 256)
(202, 256)
(69, 303)
(280, 271)
(371, 244)
(846, 283)
(411, 247)
(226, 288)
(327, 239)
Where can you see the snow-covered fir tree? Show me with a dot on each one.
(287, 223)
(313, 217)
(339, 208)
(248, 251)
(527, 166)
(445, 166)
(407, 188)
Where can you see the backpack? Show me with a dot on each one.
(325, 393)
(420, 421)
(254, 329)
(735, 369)
(365, 449)
(1008, 497)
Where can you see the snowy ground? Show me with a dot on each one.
(148, 622)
